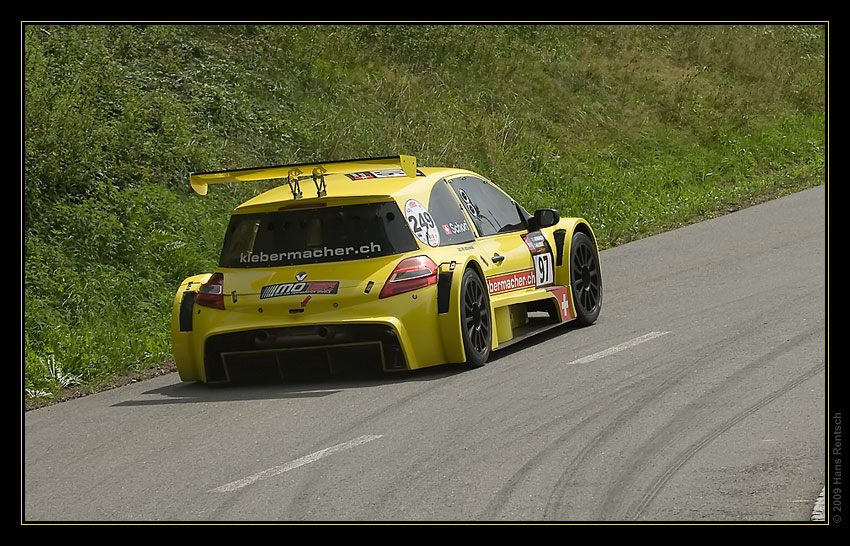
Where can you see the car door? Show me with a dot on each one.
(503, 238)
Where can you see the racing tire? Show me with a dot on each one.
(475, 321)
(586, 279)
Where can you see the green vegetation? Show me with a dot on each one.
(636, 128)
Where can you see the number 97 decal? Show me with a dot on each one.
(544, 270)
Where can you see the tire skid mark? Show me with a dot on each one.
(658, 384)
(617, 422)
(474, 381)
(298, 506)
(614, 396)
(424, 466)
(468, 380)
(503, 496)
(638, 508)
(666, 437)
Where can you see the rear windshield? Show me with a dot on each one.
(316, 235)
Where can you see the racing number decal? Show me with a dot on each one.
(541, 253)
(544, 269)
(421, 223)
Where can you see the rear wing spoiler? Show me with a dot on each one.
(294, 174)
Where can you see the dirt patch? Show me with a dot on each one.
(71, 393)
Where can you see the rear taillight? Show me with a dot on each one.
(410, 274)
(211, 293)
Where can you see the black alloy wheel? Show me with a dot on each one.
(476, 326)
(586, 279)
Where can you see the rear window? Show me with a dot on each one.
(316, 235)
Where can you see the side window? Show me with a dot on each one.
(447, 214)
(491, 210)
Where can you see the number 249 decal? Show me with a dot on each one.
(421, 223)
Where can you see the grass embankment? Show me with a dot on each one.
(636, 128)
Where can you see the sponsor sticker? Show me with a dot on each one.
(510, 281)
(536, 243)
(299, 289)
(563, 296)
(421, 223)
(541, 253)
(386, 173)
(453, 228)
(307, 254)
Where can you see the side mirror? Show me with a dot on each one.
(543, 218)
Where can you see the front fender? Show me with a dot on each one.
(561, 237)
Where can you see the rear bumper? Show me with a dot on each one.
(397, 333)
(290, 352)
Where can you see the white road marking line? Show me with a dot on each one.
(818, 512)
(307, 459)
(618, 348)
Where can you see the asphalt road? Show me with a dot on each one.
(699, 395)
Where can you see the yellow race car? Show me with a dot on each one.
(378, 260)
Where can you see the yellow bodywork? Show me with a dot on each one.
(427, 335)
